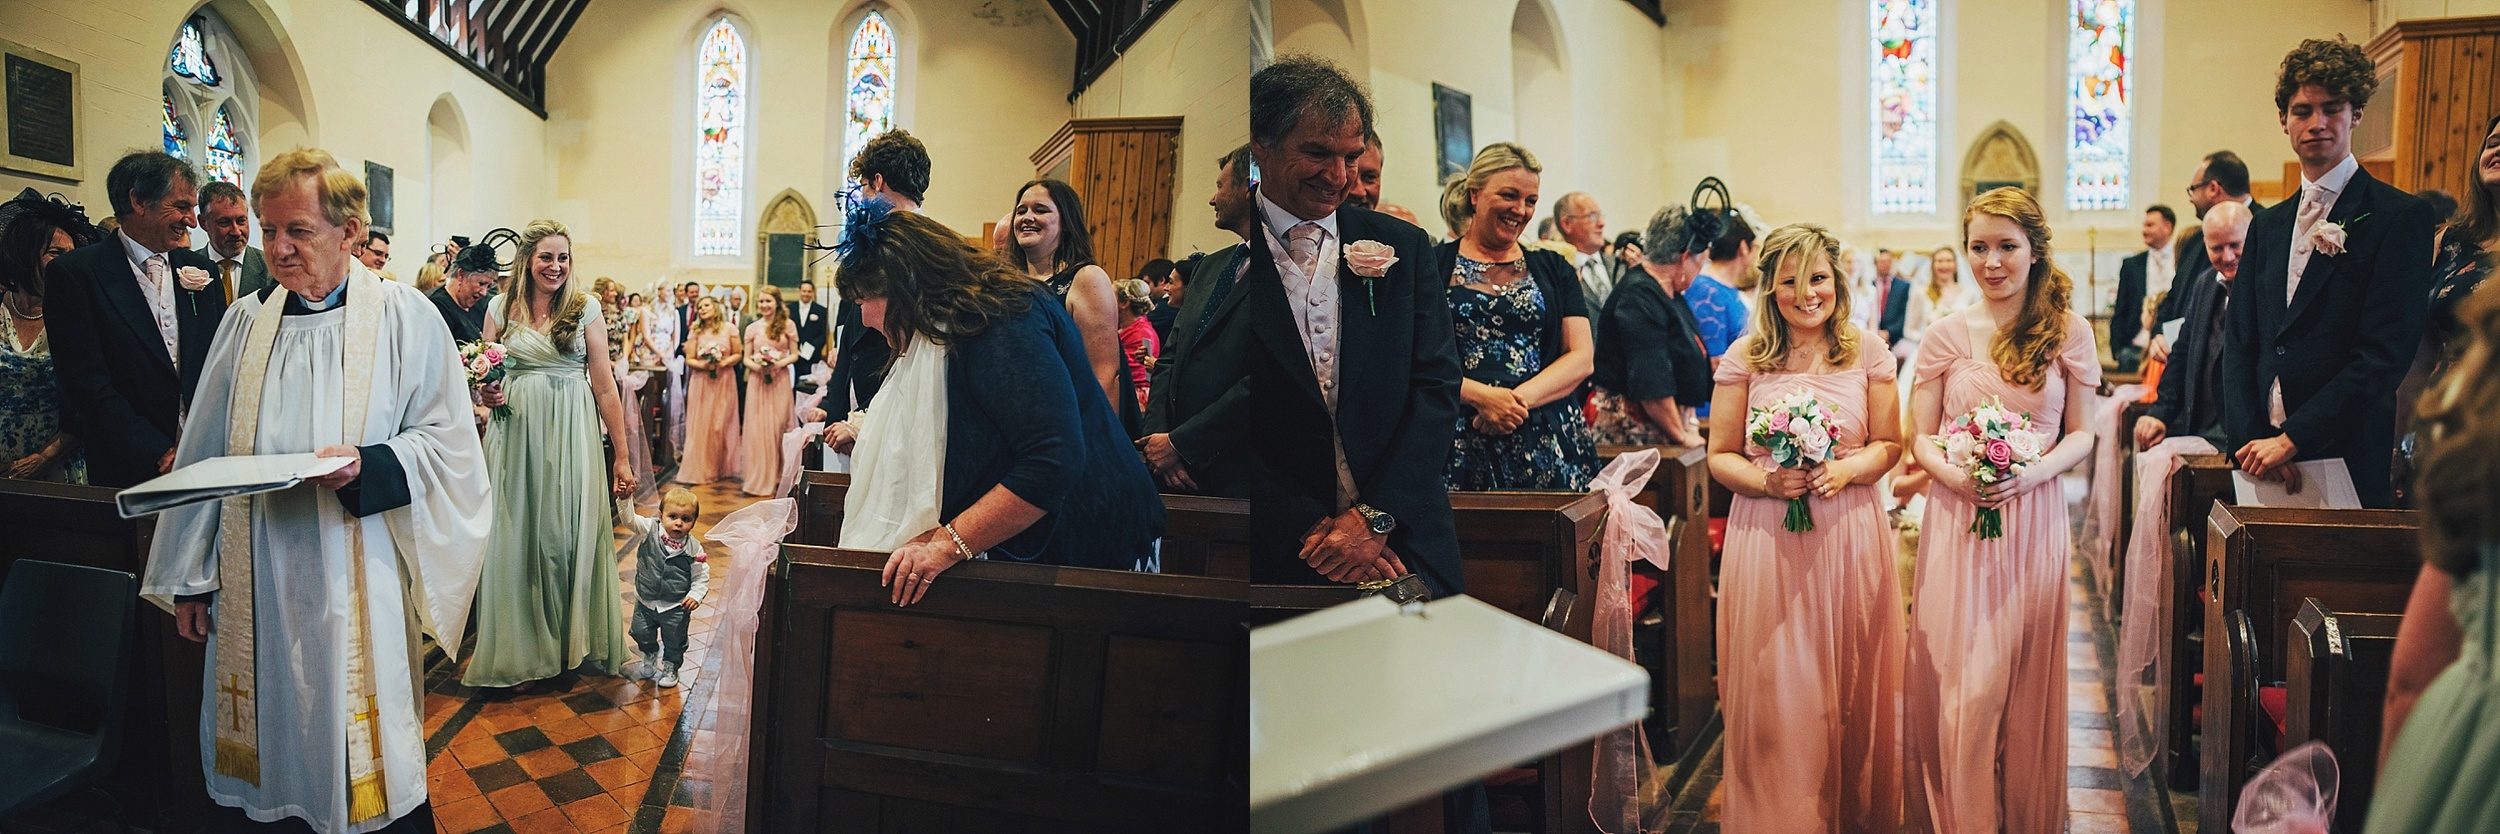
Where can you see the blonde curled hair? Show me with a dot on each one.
(1799, 243)
(1458, 196)
(568, 303)
(2023, 352)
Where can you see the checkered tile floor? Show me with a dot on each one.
(602, 755)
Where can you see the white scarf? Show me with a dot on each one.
(898, 465)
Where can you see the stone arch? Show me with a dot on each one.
(1999, 157)
(1540, 72)
(285, 117)
(1331, 29)
(900, 17)
(448, 174)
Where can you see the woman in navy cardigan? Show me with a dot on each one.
(1037, 468)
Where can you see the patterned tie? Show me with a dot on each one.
(2312, 210)
(225, 279)
(157, 272)
(1303, 244)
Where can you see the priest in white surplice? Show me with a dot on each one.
(311, 598)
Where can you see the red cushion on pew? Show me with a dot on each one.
(1511, 776)
(1644, 591)
(2271, 699)
(1718, 534)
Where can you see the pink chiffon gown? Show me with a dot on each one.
(711, 415)
(771, 410)
(1810, 634)
(1986, 707)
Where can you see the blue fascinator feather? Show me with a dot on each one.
(862, 223)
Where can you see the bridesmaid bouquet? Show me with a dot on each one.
(483, 360)
(1994, 444)
(1799, 431)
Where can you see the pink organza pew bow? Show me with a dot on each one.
(1631, 531)
(753, 535)
(2294, 795)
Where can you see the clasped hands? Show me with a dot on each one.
(2269, 459)
(1164, 460)
(1499, 411)
(1824, 481)
(1991, 495)
(1343, 548)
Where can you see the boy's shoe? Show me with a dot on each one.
(640, 670)
(668, 676)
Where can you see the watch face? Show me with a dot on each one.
(1381, 523)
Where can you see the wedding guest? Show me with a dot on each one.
(1364, 191)
(679, 372)
(1163, 281)
(1035, 465)
(710, 452)
(2467, 244)
(1810, 621)
(226, 217)
(808, 318)
(1583, 226)
(624, 332)
(547, 603)
(1055, 247)
(1650, 370)
(2219, 178)
(893, 166)
(1934, 298)
(1985, 717)
(2338, 283)
(1892, 294)
(35, 443)
(376, 253)
(1138, 342)
(1718, 306)
(130, 323)
(1523, 336)
(459, 298)
(772, 345)
(2126, 336)
(2188, 399)
(1189, 454)
(2435, 770)
(431, 275)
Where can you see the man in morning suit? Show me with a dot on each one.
(128, 337)
(226, 217)
(1182, 389)
(810, 318)
(2336, 288)
(2126, 317)
(2186, 402)
(1349, 374)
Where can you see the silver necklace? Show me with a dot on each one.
(12, 305)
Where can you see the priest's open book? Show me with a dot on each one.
(224, 477)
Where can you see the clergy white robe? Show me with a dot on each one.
(421, 559)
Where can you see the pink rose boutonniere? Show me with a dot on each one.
(1370, 259)
(2328, 238)
(194, 279)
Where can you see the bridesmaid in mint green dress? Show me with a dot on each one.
(2440, 770)
(549, 601)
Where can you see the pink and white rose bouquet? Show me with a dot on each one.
(484, 363)
(1799, 432)
(1994, 444)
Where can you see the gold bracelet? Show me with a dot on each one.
(960, 546)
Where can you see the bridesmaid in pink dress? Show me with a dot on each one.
(1810, 633)
(772, 344)
(1986, 705)
(711, 398)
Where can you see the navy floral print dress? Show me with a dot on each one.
(1501, 343)
(30, 416)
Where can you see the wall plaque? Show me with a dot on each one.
(39, 107)
(378, 196)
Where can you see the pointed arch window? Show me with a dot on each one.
(224, 160)
(2099, 48)
(868, 96)
(176, 142)
(1902, 96)
(720, 139)
(189, 57)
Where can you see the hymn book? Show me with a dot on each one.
(224, 477)
(2324, 484)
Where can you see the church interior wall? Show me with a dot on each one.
(1193, 63)
(334, 75)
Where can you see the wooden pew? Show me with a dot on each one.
(1682, 660)
(158, 776)
(2195, 487)
(2336, 680)
(1014, 697)
(1206, 536)
(820, 495)
(2263, 562)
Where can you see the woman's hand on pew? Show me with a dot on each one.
(841, 437)
(191, 620)
(915, 565)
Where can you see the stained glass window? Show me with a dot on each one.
(224, 161)
(2097, 146)
(175, 139)
(1903, 96)
(870, 94)
(190, 55)
(720, 140)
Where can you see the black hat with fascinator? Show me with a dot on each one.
(26, 225)
(483, 256)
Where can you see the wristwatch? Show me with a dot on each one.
(1379, 522)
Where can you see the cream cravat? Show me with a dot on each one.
(1302, 243)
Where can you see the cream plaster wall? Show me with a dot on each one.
(983, 83)
(1194, 63)
(2384, 13)
(332, 74)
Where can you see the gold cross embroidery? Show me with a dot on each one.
(235, 696)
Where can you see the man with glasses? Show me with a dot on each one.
(1584, 227)
(2220, 178)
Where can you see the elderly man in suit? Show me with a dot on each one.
(132, 319)
(226, 216)
(2186, 402)
(2336, 286)
(1182, 388)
